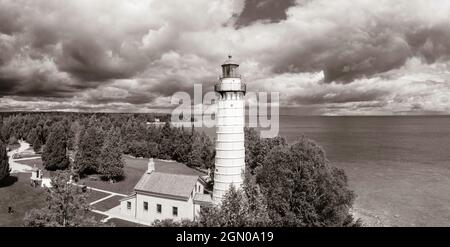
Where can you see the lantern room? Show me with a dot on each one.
(230, 68)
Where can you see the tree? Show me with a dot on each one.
(208, 151)
(182, 146)
(165, 149)
(201, 151)
(77, 132)
(239, 208)
(302, 189)
(76, 129)
(54, 156)
(152, 149)
(13, 140)
(89, 149)
(138, 149)
(194, 158)
(256, 148)
(110, 161)
(32, 136)
(4, 165)
(37, 145)
(66, 206)
(35, 138)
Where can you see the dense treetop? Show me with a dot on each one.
(86, 132)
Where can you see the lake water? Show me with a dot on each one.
(399, 167)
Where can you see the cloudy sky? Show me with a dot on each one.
(340, 57)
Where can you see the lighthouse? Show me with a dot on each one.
(230, 121)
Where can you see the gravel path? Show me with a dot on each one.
(17, 167)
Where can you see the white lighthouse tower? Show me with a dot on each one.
(230, 149)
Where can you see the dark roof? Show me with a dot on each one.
(173, 167)
(230, 60)
(167, 184)
(170, 178)
(202, 199)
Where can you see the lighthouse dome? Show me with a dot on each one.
(230, 61)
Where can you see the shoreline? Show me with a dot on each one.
(369, 219)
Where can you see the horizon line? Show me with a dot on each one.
(296, 115)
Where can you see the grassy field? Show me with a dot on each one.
(32, 162)
(134, 168)
(97, 217)
(16, 192)
(39, 165)
(22, 156)
(96, 195)
(108, 204)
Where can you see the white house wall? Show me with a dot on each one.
(185, 208)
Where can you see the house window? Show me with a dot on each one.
(128, 205)
(175, 211)
(146, 206)
(158, 208)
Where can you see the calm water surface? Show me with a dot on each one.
(399, 167)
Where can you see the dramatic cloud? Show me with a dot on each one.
(325, 57)
(267, 10)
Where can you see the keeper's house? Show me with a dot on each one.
(166, 194)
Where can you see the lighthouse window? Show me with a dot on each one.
(158, 208)
(128, 205)
(146, 206)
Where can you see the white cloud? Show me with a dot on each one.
(339, 56)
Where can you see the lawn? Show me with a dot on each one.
(96, 195)
(134, 169)
(97, 217)
(32, 162)
(107, 204)
(39, 164)
(16, 192)
(22, 156)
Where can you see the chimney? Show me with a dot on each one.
(151, 166)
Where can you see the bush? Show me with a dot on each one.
(302, 189)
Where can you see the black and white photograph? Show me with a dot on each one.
(224, 113)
